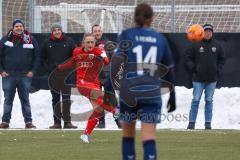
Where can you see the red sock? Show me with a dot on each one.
(92, 121)
(107, 107)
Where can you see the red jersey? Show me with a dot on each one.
(88, 64)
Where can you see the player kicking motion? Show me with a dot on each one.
(145, 46)
(89, 61)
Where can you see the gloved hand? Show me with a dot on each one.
(171, 104)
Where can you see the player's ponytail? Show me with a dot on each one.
(143, 15)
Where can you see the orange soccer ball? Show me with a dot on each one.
(195, 33)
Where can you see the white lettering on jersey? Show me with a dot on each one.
(151, 57)
(148, 39)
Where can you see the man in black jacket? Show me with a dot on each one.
(109, 95)
(19, 60)
(55, 50)
(205, 61)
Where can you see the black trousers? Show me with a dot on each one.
(61, 108)
(61, 101)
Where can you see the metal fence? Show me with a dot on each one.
(77, 16)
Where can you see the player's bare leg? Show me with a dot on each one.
(96, 100)
(92, 122)
(128, 129)
(148, 131)
(95, 96)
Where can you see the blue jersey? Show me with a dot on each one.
(145, 46)
(146, 51)
(143, 56)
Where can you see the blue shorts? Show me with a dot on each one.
(147, 111)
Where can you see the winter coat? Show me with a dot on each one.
(56, 51)
(19, 58)
(205, 60)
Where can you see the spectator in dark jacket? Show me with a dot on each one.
(109, 95)
(55, 50)
(19, 60)
(205, 61)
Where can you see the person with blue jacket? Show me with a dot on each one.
(19, 61)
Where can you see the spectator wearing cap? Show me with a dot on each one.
(205, 61)
(55, 50)
(19, 60)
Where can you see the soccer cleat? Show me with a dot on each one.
(84, 138)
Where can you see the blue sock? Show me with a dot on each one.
(128, 149)
(149, 148)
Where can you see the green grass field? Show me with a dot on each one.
(106, 145)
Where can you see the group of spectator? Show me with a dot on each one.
(20, 57)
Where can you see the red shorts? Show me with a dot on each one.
(89, 90)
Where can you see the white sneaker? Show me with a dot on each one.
(84, 138)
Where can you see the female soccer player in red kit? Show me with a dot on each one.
(89, 61)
